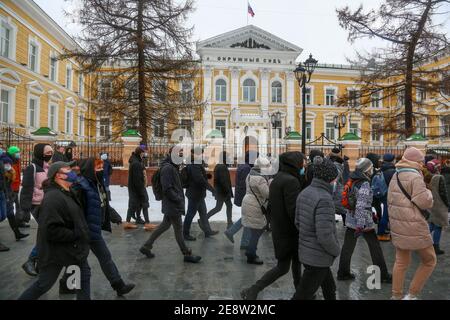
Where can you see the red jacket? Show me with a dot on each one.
(16, 183)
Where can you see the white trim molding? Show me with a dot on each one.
(336, 95)
(54, 95)
(35, 87)
(33, 40)
(37, 110)
(56, 124)
(70, 102)
(12, 102)
(8, 22)
(9, 76)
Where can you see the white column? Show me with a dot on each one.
(235, 73)
(290, 99)
(265, 93)
(207, 96)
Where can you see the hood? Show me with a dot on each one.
(87, 169)
(358, 175)
(408, 164)
(291, 161)
(375, 159)
(168, 160)
(134, 157)
(387, 165)
(38, 152)
(5, 158)
(255, 171)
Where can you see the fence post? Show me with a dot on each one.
(352, 145)
(129, 145)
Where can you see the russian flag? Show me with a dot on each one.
(250, 10)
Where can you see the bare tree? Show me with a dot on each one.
(413, 39)
(142, 61)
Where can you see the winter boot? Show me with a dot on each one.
(150, 226)
(254, 260)
(250, 293)
(30, 267)
(129, 225)
(188, 237)
(345, 277)
(229, 236)
(3, 248)
(146, 252)
(438, 250)
(15, 228)
(122, 288)
(191, 258)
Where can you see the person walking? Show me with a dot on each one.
(254, 206)
(318, 245)
(376, 203)
(107, 172)
(388, 171)
(283, 193)
(31, 194)
(360, 222)
(3, 213)
(196, 194)
(439, 211)
(14, 154)
(63, 235)
(173, 207)
(445, 172)
(223, 190)
(408, 197)
(338, 186)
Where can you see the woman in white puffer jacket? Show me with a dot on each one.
(256, 196)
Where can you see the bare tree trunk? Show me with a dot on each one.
(141, 74)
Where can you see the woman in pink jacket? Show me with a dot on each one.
(407, 196)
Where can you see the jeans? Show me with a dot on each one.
(349, 246)
(168, 221)
(382, 225)
(436, 231)
(314, 278)
(219, 205)
(245, 234)
(255, 234)
(195, 205)
(47, 278)
(423, 272)
(280, 270)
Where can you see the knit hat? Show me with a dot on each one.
(13, 150)
(324, 169)
(388, 157)
(364, 165)
(434, 166)
(413, 154)
(262, 163)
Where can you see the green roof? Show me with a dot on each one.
(349, 136)
(131, 133)
(416, 137)
(215, 134)
(293, 135)
(44, 131)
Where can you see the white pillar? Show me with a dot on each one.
(290, 99)
(265, 93)
(235, 73)
(207, 96)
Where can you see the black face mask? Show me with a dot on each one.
(47, 158)
(99, 175)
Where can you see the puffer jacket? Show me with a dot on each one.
(409, 229)
(362, 216)
(241, 174)
(252, 215)
(439, 211)
(318, 244)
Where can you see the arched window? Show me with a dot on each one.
(221, 90)
(277, 91)
(249, 89)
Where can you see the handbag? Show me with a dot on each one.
(425, 212)
(264, 210)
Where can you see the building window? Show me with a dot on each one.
(221, 90)
(308, 130)
(5, 107)
(69, 121)
(186, 125)
(221, 125)
(186, 92)
(277, 92)
(375, 100)
(330, 130)
(249, 89)
(159, 88)
(33, 113)
(308, 96)
(421, 127)
(53, 117)
(80, 84)
(53, 69)
(353, 98)
(159, 128)
(105, 131)
(106, 89)
(330, 97)
(376, 132)
(33, 57)
(421, 95)
(445, 121)
(81, 124)
(354, 128)
(69, 77)
(132, 90)
(5, 40)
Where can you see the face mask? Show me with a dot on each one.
(47, 158)
(104, 157)
(17, 155)
(8, 167)
(1, 151)
(99, 175)
(302, 171)
(145, 155)
(71, 177)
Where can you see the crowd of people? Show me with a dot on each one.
(404, 200)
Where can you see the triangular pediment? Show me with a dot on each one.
(249, 38)
(9, 76)
(35, 87)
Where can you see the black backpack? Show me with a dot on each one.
(156, 185)
(184, 177)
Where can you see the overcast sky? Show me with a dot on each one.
(309, 24)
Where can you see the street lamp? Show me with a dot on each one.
(275, 120)
(303, 74)
(339, 123)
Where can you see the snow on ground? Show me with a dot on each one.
(119, 197)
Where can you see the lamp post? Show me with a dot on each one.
(275, 120)
(303, 74)
(339, 123)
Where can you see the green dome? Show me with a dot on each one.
(416, 137)
(44, 131)
(131, 133)
(349, 136)
(293, 135)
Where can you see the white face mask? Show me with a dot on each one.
(104, 157)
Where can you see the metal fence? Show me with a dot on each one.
(381, 150)
(10, 136)
(440, 153)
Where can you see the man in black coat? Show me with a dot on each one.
(283, 192)
(196, 194)
(63, 235)
(224, 190)
(59, 155)
(388, 169)
(172, 208)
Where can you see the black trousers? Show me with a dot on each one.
(219, 205)
(349, 246)
(168, 221)
(280, 270)
(194, 206)
(314, 278)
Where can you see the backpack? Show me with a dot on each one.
(379, 186)
(349, 194)
(156, 185)
(184, 177)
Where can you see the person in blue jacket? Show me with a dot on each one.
(107, 172)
